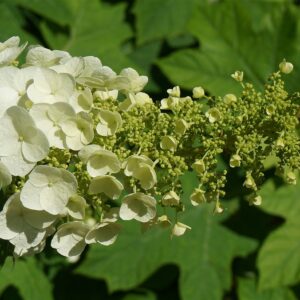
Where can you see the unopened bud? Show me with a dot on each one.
(198, 92)
(238, 76)
(286, 67)
(235, 161)
(250, 183)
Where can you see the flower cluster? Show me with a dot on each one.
(83, 148)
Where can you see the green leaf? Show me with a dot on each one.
(27, 277)
(204, 256)
(157, 19)
(279, 260)
(247, 290)
(12, 22)
(283, 201)
(229, 42)
(84, 28)
(54, 10)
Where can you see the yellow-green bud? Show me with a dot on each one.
(229, 98)
(238, 76)
(198, 92)
(291, 177)
(286, 67)
(250, 183)
(235, 161)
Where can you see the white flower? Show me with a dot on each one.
(238, 76)
(174, 92)
(111, 215)
(23, 228)
(22, 144)
(199, 166)
(10, 50)
(98, 77)
(86, 152)
(43, 57)
(13, 86)
(170, 199)
(106, 184)
(132, 100)
(198, 197)
(73, 66)
(78, 131)
(50, 118)
(109, 122)
(48, 189)
(179, 229)
(131, 164)
(106, 95)
(76, 207)
(213, 115)
(99, 161)
(141, 168)
(181, 126)
(50, 87)
(138, 206)
(5, 176)
(169, 103)
(168, 143)
(104, 233)
(82, 100)
(69, 239)
(129, 81)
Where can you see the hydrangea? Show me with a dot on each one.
(48, 189)
(10, 50)
(23, 228)
(138, 206)
(83, 148)
(22, 144)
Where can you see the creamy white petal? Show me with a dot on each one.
(106, 184)
(104, 234)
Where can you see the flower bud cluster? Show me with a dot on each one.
(83, 149)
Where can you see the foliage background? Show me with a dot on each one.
(247, 253)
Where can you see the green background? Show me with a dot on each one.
(247, 253)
